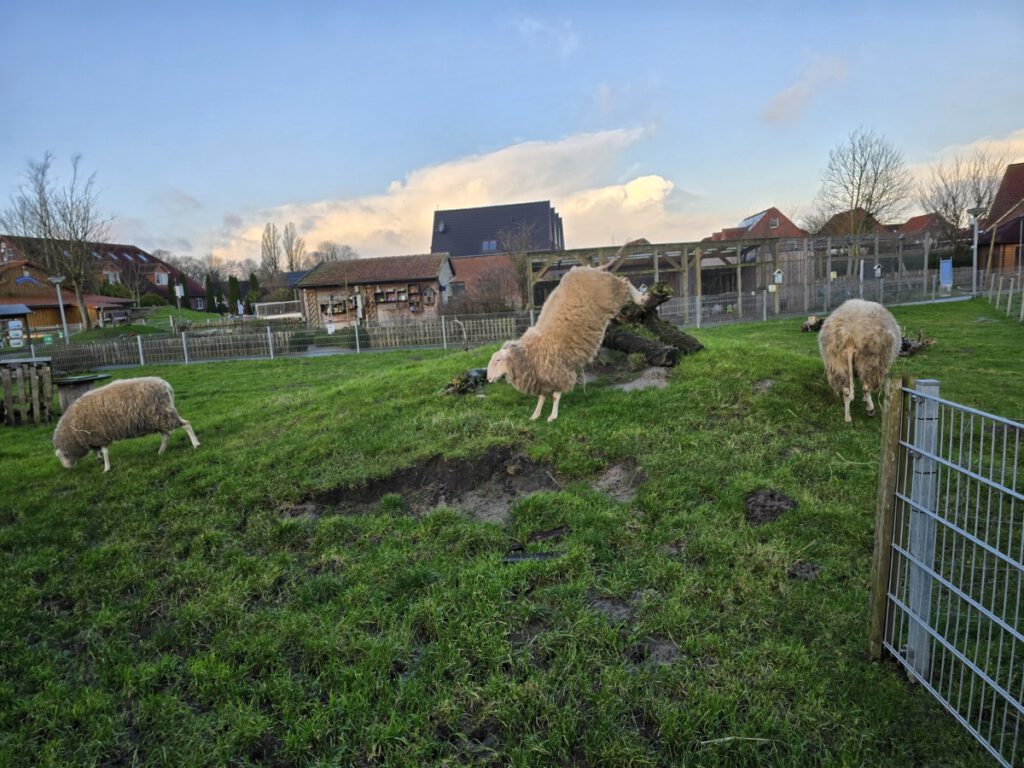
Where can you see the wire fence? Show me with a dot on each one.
(954, 583)
(233, 338)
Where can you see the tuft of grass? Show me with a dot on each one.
(203, 607)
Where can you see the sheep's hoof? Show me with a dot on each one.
(552, 418)
(535, 417)
(871, 411)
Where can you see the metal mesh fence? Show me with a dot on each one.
(957, 569)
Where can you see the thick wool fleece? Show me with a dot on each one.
(122, 409)
(870, 332)
(568, 332)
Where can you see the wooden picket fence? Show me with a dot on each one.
(27, 387)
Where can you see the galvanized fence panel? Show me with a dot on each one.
(956, 572)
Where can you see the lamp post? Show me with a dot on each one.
(974, 213)
(57, 280)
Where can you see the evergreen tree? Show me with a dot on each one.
(234, 294)
(211, 297)
(253, 295)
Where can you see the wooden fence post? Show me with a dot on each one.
(184, 346)
(888, 473)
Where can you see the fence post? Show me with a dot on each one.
(1009, 298)
(356, 326)
(888, 474)
(444, 335)
(999, 292)
(32, 349)
(270, 342)
(532, 320)
(184, 346)
(764, 305)
(142, 358)
(921, 535)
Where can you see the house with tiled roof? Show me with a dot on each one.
(770, 222)
(1002, 237)
(382, 291)
(24, 283)
(854, 221)
(115, 264)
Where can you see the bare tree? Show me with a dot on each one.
(516, 242)
(187, 265)
(270, 250)
(328, 250)
(65, 219)
(959, 184)
(294, 246)
(865, 177)
(134, 276)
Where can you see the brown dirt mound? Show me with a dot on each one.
(765, 506)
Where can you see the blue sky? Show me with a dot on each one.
(203, 121)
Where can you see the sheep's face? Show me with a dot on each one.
(498, 366)
(66, 461)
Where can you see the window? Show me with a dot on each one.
(200, 304)
(161, 278)
(773, 223)
(489, 245)
(112, 277)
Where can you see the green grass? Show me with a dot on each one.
(184, 610)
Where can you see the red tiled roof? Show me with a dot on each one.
(758, 226)
(385, 269)
(1009, 195)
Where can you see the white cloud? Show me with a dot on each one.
(1011, 146)
(575, 173)
(561, 37)
(789, 103)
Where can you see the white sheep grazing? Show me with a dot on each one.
(120, 410)
(546, 358)
(859, 339)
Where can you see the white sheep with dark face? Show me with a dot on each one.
(546, 359)
(120, 410)
(859, 340)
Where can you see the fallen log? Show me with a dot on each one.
(674, 342)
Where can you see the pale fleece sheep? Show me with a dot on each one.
(120, 410)
(546, 358)
(859, 339)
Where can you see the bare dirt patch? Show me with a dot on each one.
(648, 378)
(620, 481)
(766, 505)
(483, 486)
(804, 571)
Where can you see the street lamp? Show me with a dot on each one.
(974, 213)
(57, 280)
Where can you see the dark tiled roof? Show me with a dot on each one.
(385, 269)
(14, 310)
(1009, 195)
(462, 231)
(840, 223)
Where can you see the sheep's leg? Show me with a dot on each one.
(163, 442)
(870, 403)
(106, 459)
(556, 397)
(848, 389)
(191, 435)
(536, 411)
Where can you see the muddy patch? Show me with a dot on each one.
(656, 651)
(309, 510)
(620, 481)
(766, 505)
(649, 378)
(485, 487)
(804, 571)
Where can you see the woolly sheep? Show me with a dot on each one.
(120, 410)
(546, 358)
(860, 338)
